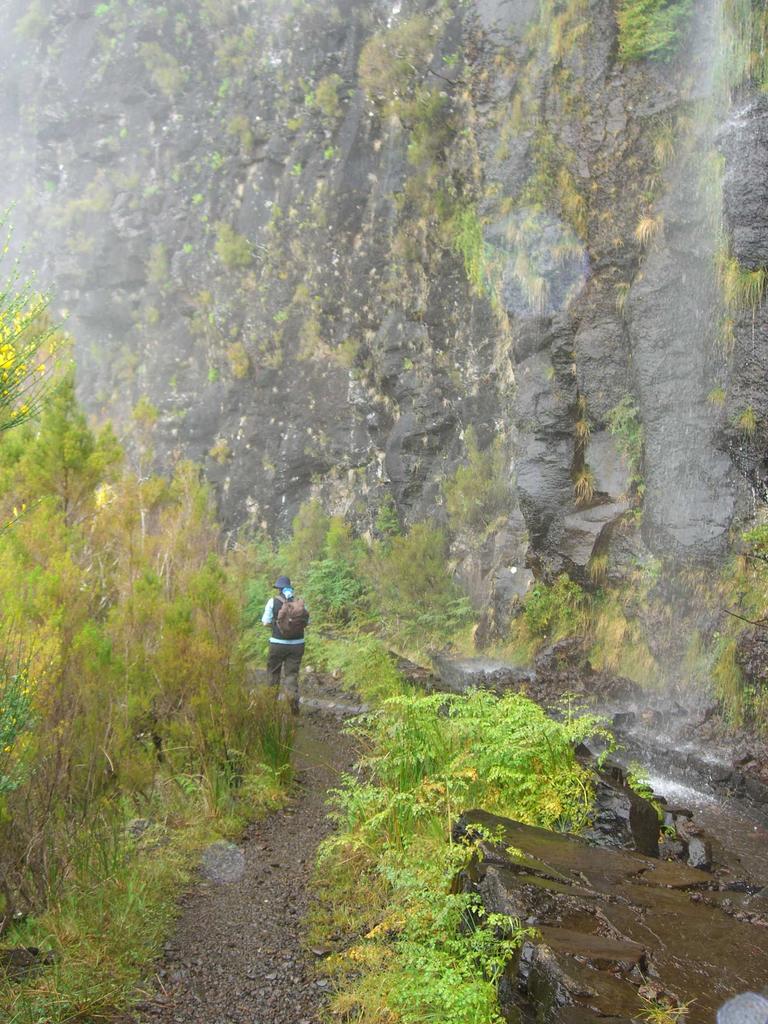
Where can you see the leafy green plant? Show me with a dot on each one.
(656, 1012)
(468, 242)
(334, 591)
(556, 610)
(233, 250)
(327, 98)
(428, 952)
(651, 28)
(365, 664)
(414, 593)
(387, 519)
(624, 423)
(15, 721)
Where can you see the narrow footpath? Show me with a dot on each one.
(235, 956)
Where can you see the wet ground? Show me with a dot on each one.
(235, 957)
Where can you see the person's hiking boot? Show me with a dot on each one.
(292, 703)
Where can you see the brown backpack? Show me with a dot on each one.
(292, 619)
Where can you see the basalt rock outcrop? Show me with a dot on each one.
(606, 927)
(322, 274)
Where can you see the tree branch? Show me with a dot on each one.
(752, 622)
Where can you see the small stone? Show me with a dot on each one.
(748, 1008)
(699, 853)
(223, 862)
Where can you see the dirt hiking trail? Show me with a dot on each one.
(235, 956)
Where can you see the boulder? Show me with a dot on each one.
(622, 818)
(608, 927)
(582, 530)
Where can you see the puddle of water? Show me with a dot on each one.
(743, 843)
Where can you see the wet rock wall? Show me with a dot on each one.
(322, 274)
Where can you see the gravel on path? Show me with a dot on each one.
(236, 955)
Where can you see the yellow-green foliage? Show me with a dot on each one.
(742, 289)
(717, 396)
(657, 1012)
(27, 346)
(326, 96)
(122, 616)
(742, 589)
(96, 198)
(240, 125)
(220, 452)
(648, 228)
(617, 641)
(597, 568)
(393, 62)
(583, 485)
(166, 72)
(233, 250)
(729, 681)
(746, 421)
(555, 611)
(651, 28)
(428, 953)
(33, 23)
(743, 33)
(477, 494)
(467, 232)
(239, 360)
(158, 267)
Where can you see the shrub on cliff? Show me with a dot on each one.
(477, 493)
(651, 28)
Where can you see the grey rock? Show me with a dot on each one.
(606, 920)
(223, 862)
(609, 466)
(748, 1008)
(699, 853)
(583, 529)
(137, 827)
(744, 141)
(621, 817)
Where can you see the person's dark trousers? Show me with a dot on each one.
(286, 659)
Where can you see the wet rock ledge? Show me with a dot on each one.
(612, 928)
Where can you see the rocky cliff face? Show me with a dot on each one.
(324, 239)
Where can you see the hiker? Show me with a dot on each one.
(288, 617)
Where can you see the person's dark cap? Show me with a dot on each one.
(282, 581)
